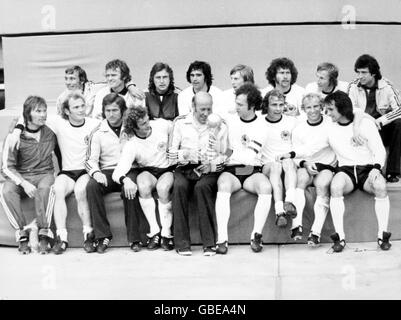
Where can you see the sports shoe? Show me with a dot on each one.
(44, 244)
(154, 242)
(257, 243)
(167, 243)
(60, 246)
(385, 242)
(290, 209)
(338, 245)
(281, 220)
(296, 233)
(102, 245)
(184, 252)
(23, 246)
(222, 248)
(392, 178)
(209, 251)
(313, 240)
(136, 246)
(90, 243)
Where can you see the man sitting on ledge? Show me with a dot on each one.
(359, 167)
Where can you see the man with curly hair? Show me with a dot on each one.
(282, 76)
(148, 150)
(162, 98)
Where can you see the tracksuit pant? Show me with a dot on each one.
(132, 209)
(204, 189)
(10, 198)
(391, 137)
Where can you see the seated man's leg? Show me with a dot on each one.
(303, 181)
(179, 203)
(377, 187)
(44, 204)
(63, 186)
(273, 171)
(391, 136)
(322, 183)
(133, 215)
(290, 182)
(146, 182)
(259, 184)
(227, 184)
(340, 186)
(205, 190)
(84, 213)
(10, 198)
(95, 194)
(163, 187)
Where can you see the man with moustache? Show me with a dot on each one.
(282, 75)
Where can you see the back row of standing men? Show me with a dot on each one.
(251, 151)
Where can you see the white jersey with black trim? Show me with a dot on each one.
(245, 139)
(72, 140)
(146, 152)
(278, 137)
(348, 153)
(292, 97)
(311, 142)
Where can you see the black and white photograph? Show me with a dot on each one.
(199, 155)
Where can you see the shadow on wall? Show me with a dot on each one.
(2, 99)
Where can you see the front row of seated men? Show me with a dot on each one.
(198, 154)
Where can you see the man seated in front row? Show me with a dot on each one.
(190, 144)
(359, 167)
(246, 135)
(147, 149)
(278, 130)
(105, 144)
(29, 172)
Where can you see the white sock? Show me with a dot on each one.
(337, 213)
(279, 207)
(299, 203)
(261, 212)
(290, 195)
(321, 208)
(149, 209)
(166, 218)
(382, 209)
(86, 230)
(222, 215)
(62, 233)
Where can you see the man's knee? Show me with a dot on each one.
(379, 187)
(144, 186)
(303, 179)
(93, 186)
(163, 189)
(337, 188)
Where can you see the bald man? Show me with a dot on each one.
(191, 142)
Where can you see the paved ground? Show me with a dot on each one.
(278, 272)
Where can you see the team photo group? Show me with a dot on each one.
(167, 150)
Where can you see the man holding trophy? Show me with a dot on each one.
(198, 146)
